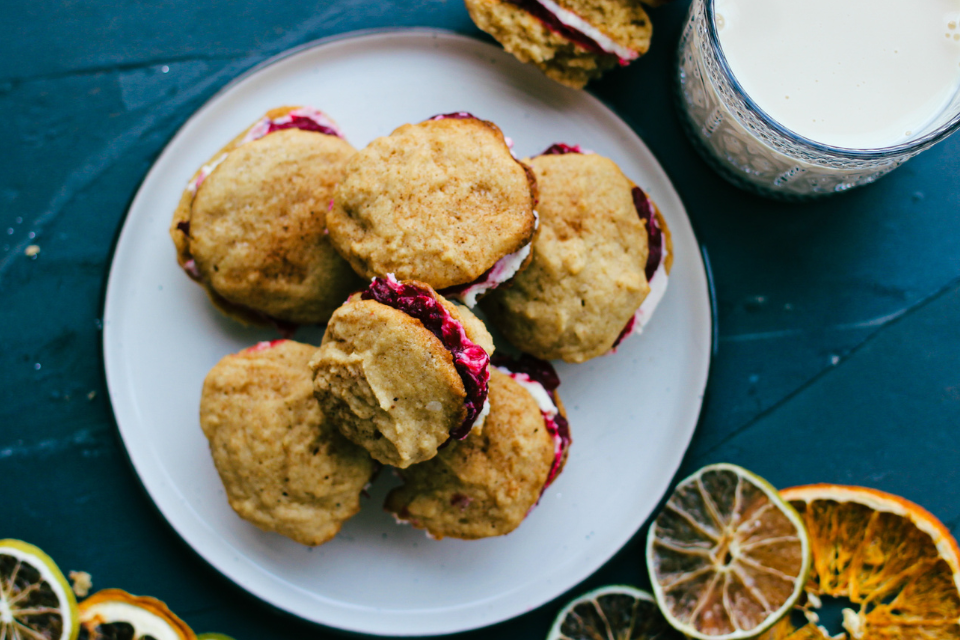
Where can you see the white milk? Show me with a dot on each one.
(848, 73)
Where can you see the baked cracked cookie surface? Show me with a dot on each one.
(442, 202)
(251, 224)
(486, 484)
(571, 41)
(285, 467)
(401, 370)
(589, 276)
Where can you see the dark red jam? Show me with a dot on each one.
(302, 122)
(654, 233)
(456, 115)
(263, 346)
(458, 289)
(648, 215)
(542, 372)
(561, 148)
(470, 360)
(553, 23)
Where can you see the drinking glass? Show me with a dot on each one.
(755, 152)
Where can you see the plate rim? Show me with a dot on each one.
(113, 383)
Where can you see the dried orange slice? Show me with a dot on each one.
(896, 563)
(116, 615)
(36, 602)
(727, 556)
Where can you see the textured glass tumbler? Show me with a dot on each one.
(751, 149)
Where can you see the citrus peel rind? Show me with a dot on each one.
(615, 612)
(147, 616)
(727, 556)
(898, 566)
(34, 595)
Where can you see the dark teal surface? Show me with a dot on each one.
(839, 321)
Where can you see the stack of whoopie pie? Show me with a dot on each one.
(391, 247)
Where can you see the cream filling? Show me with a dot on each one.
(535, 389)
(572, 20)
(205, 171)
(504, 269)
(658, 287)
(482, 416)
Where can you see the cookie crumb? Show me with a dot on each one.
(91, 395)
(32, 250)
(82, 583)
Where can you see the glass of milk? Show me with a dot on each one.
(796, 99)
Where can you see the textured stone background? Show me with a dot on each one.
(838, 354)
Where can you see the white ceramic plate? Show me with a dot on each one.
(632, 413)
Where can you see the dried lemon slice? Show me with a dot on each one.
(36, 602)
(613, 613)
(116, 614)
(895, 562)
(727, 556)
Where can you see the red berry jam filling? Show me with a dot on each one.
(654, 233)
(655, 256)
(469, 358)
(304, 118)
(456, 115)
(263, 346)
(529, 369)
(561, 148)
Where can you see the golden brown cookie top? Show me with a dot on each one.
(441, 201)
(251, 224)
(401, 371)
(284, 467)
(587, 278)
(487, 484)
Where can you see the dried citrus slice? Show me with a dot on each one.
(36, 602)
(613, 613)
(116, 614)
(896, 563)
(727, 556)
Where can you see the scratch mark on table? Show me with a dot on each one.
(789, 333)
(84, 438)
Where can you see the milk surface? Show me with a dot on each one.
(849, 73)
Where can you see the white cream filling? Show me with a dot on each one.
(536, 390)
(205, 171)
(504, 269)
(482, 416)
(572, 20)
(658, 287)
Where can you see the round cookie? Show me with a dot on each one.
(588, 278)
(487, 484)
(440, 202)
(401, 371)
(571, 41)
(284, 466)
(250, 226)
